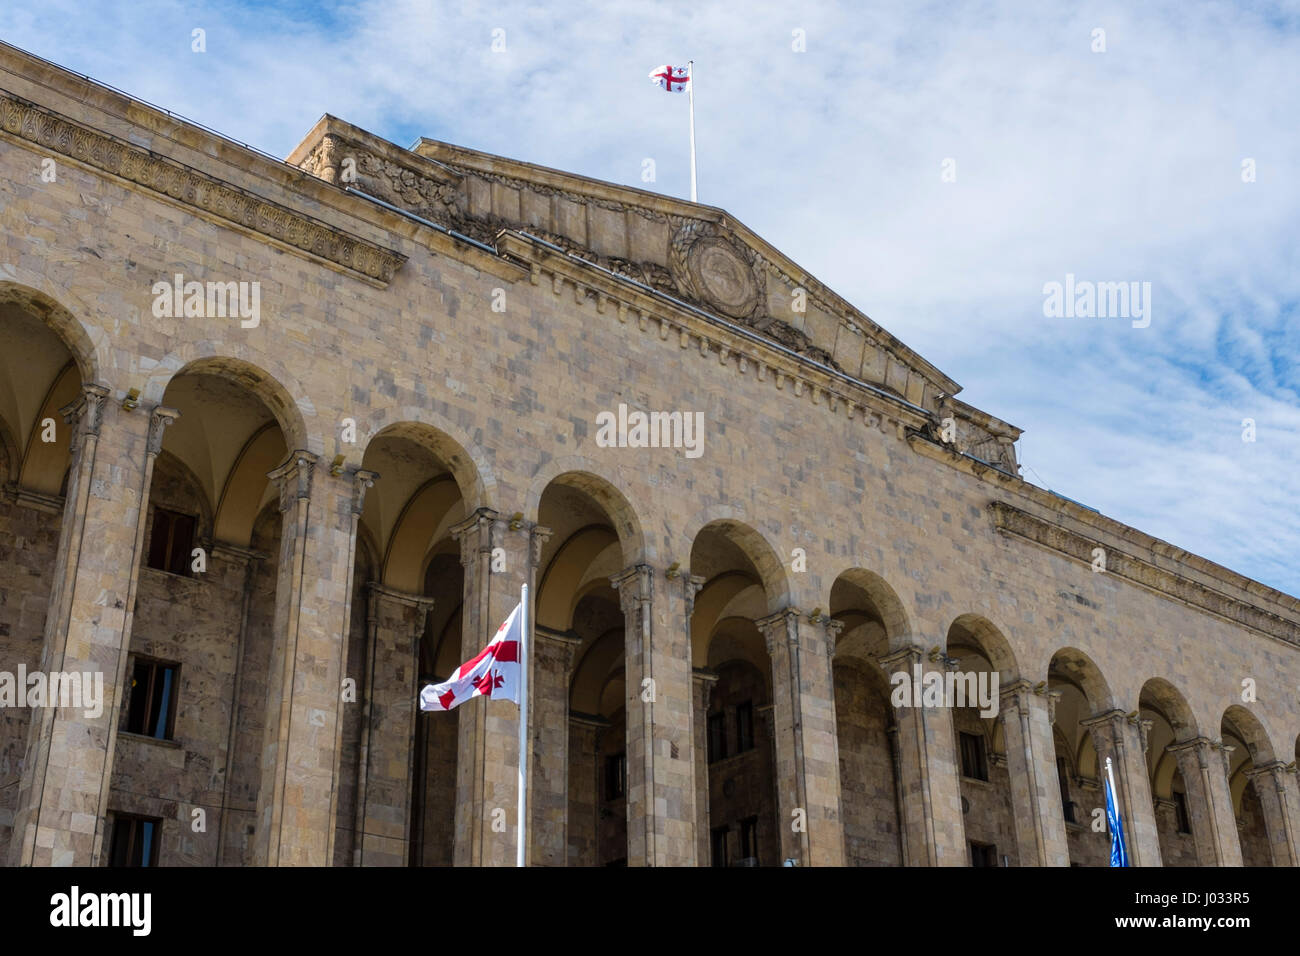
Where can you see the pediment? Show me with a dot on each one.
(699, 254)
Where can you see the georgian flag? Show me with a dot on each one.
(493, 673)
(670, 78)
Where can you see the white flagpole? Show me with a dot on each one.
(690, 92)
(524, 648)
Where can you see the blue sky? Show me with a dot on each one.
(1122, 165)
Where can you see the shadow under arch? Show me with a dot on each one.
(757, 551)
(48, 308)
(466, 464)
(859, 596)
(981, 634)
(583, 474)
(267, 387)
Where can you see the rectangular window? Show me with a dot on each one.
(745, 728)
(135, 841)
(615, 776)
(974, 761)
(1180, 812)
(717, 736)
(983, 854)
(152, 708)
(719, 842)
(172, 541)
(749, 838)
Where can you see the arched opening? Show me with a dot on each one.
(1083, 693)
(403, 761)
(983, 663)
(39, 375)
(579, 658)
(865, 724)
(1246, 748)
(201, 641)
(1172, 723)
(742, 584)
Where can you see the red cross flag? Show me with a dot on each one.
(671, 78)
(493, 673)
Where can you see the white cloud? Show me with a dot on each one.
(1123, 165)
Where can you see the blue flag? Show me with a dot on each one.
(1118, 853)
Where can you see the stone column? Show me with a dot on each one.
(487, 761)
(1271, 782)
(296, 805)
(63, 796)
(704, 682)
(1123, 738)
(1027, 717)
(934, 833)
(1209, 802)
(661, 811)
(807, 751)
(548, 800)
(385, 758)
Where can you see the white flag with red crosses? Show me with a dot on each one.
(493, 673)
(671, 78)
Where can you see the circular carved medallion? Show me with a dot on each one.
(723, 277)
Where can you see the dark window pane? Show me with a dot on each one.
(719, 842)
(745, 727)
(160, 539)
(973, 759)
(153, 699)
(182, 543)
(717, 737)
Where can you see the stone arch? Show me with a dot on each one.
(767, 564)
(1071, 665)
(859, 596)
(270, 381)
(42, 299)
(1250, 728)
(464, 460)
(592, 479)
(984, 636)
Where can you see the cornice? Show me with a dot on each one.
(1013, 521)
(208, 196)
(692, 328)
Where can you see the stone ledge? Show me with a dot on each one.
(211, 197)
(1010, 520)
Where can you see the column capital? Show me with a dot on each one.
(87, 409)
(362, 481)
(1273, 770)
(784, 622)
(294, 477)
(902, 659)
(561, 639)
(635, 586)
(538, 535)
(159, 419)
(474, 535)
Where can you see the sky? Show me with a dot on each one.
(936, 164)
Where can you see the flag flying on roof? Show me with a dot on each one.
(671, 78)
(493, 673)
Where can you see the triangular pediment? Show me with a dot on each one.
(698, 254)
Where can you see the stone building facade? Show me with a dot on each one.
(267, 529)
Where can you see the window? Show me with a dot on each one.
(1067, 806)
(172, 541)
(152, 710)
(983, 854)
(1180, 812)
(974, 761)
(135, 841)
(615, 776)
(719, 841)
(745, 728)
(749, 838)
(717, 736)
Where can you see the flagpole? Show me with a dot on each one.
(690, 92)
(525, 647)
